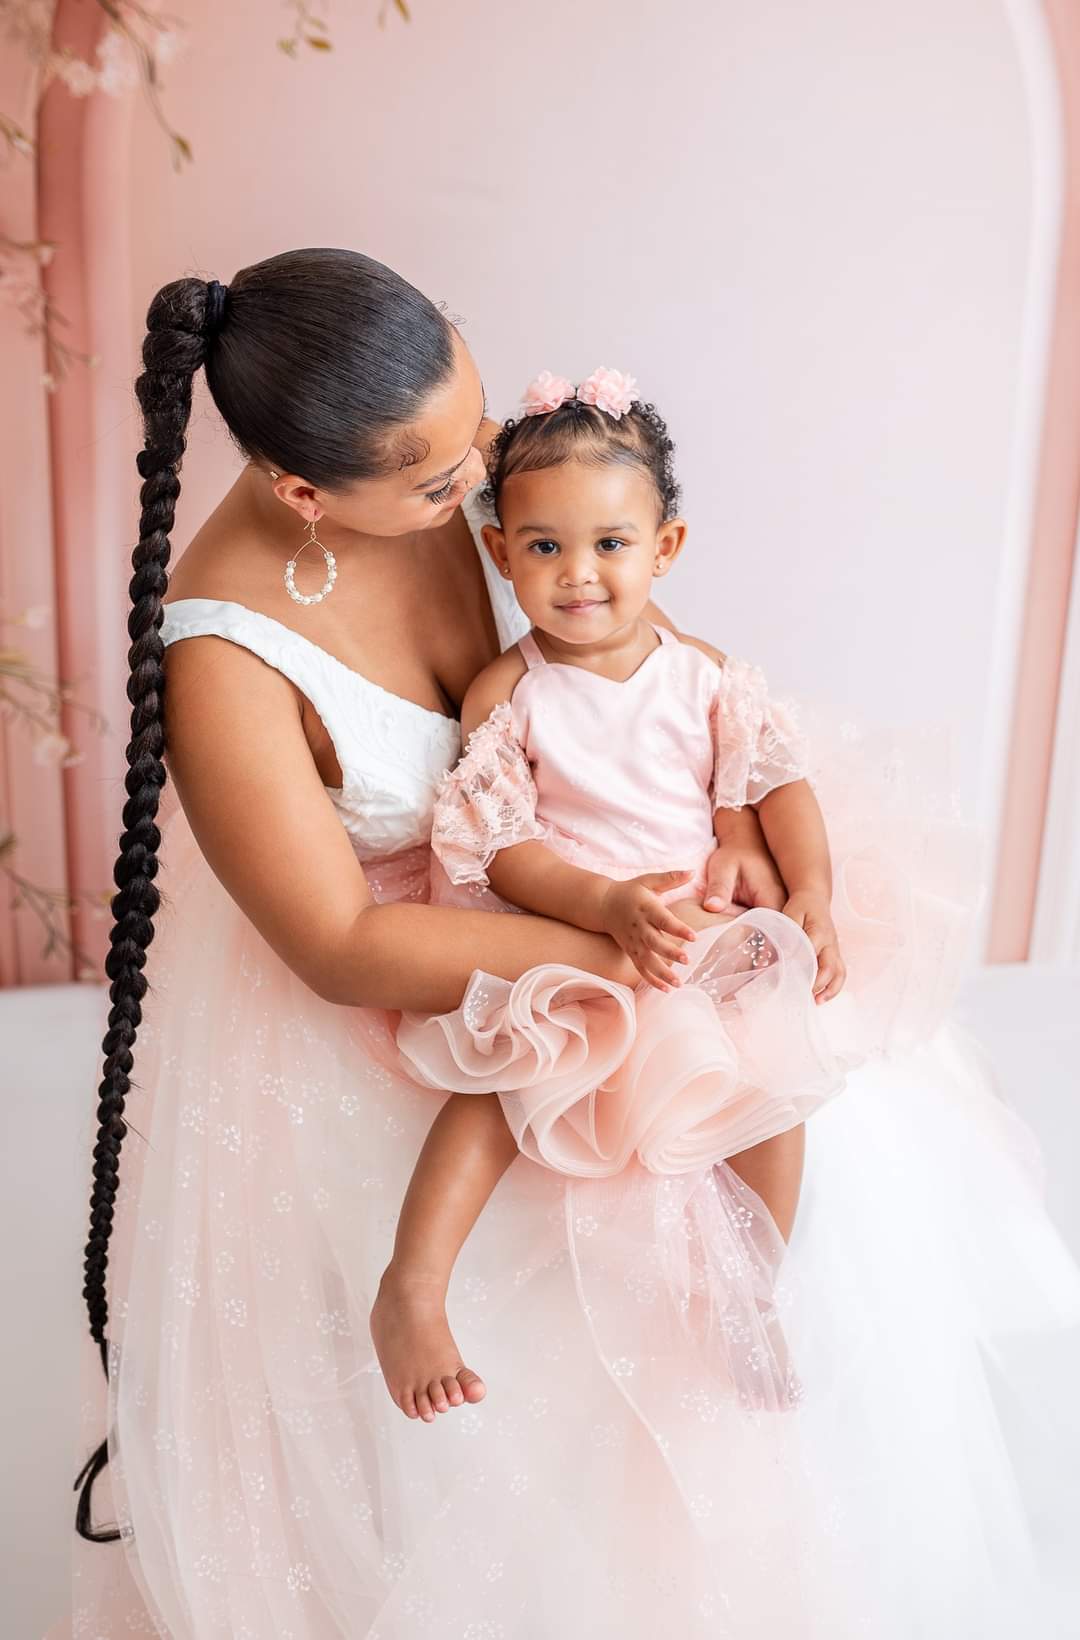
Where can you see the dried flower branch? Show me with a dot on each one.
(399, 6)
(15, 138)
(35, 701)
(131, 52)
(308, 30)
(20, 282)
(152, 39)
(52, 909)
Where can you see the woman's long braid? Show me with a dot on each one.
(175, 347)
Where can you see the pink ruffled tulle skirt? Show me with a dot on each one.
(687, 1431)
(592, 1075)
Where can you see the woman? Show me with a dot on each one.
(305, 742)
(264, 1482)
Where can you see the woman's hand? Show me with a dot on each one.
(741, 872)
(641, 924)
(811, 911)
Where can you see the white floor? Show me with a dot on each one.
(1028, 1018)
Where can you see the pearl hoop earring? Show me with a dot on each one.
(311, 540)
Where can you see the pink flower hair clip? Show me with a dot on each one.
(609, 390)
(545, 393)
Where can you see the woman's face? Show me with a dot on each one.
(427, 490)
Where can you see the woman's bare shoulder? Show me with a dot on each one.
(660, 617)
(704, 646)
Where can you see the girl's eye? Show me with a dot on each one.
(544, 548)
(611, 544)
(437, 497)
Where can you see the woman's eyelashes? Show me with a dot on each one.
(437, 497)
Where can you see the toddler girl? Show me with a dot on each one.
(600, 747)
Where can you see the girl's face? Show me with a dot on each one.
(583, 545)
(425, 493)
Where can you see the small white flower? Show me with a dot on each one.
(117, 72)
(298, 1578)
(51, 749)
(166, 45)
(77, 75)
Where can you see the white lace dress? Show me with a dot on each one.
(610, 1484)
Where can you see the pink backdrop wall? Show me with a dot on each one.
(825, 240)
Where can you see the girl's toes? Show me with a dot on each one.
(407, 1403)
(437, 1396)
(454, 1392)
(423, 1406)
(472, 1384)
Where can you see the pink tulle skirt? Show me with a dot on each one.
(688, 1431)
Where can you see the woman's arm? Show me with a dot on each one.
(253, 796)
(631, 912)
(795, 830)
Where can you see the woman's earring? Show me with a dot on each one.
(312, 540)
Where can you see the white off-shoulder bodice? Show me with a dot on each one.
(392, 752)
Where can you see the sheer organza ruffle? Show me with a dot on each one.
(592, 1076)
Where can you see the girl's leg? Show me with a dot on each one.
(464, 1156)
(774, 1170)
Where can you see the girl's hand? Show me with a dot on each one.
(811, 912)
(640, 923)
(741, 872)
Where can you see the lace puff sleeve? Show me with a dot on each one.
(757, 741)
(487, 803)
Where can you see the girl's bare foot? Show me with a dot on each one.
(420, 1361)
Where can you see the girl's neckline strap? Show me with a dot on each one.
(530, 652)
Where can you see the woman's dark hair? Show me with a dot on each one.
(318, 361)
(581, 432)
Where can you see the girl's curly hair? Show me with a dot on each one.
(581, 432)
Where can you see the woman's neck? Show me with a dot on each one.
(239, 553)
